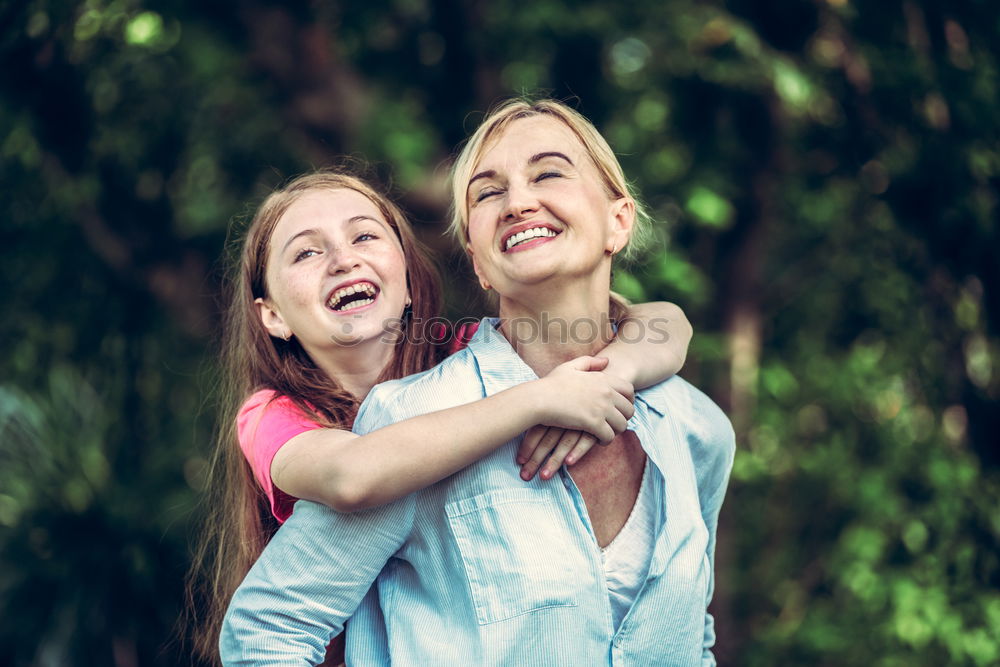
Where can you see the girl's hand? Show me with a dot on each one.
(583, 407)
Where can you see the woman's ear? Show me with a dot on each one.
(272, 320)
(620, 221)
(475, 267)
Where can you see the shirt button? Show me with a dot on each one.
(618, 641)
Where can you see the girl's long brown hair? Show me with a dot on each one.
(239, 522)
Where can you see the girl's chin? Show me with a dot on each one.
(364, 333)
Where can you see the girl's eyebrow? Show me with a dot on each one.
(362, 218)
(304, 232)
(313, 232)
(537, 157)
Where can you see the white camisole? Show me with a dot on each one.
(626, 558)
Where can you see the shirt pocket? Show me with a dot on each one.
(517, 552)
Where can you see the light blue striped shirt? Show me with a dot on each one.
(484, 568)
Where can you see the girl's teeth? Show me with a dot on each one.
(359, 303)
(341, 294)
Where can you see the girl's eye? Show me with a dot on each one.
(367, 236)
(548, 174)
(304, 253)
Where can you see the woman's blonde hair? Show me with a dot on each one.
(498, 120)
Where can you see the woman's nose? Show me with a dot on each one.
(521, 201)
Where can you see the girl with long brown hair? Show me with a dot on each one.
(334, 294)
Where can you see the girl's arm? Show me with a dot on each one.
(651, 346)
(349, 472)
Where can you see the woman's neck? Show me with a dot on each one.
(549, 326)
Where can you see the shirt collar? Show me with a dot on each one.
(501, 368)
(499, 365)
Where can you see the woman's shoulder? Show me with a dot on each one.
(706, 427)
(452, 382)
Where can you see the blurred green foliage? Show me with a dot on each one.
(825, 180)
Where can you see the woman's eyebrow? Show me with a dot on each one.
(538, 157)
(489, 173)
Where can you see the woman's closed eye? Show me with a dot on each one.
(486, 194)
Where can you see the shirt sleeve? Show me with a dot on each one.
(263, 426)
(712, 451)
(313, 575)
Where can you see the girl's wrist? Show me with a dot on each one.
(535, 397)
(624, 365)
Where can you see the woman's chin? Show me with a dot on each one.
(553, 273)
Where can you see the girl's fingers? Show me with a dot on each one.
(623, 387)
(624, 406)
(617, 423)
(604, 434)
(587, 364)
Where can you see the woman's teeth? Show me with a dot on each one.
(527, 235)
(352, 296)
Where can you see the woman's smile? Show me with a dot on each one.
(527, 235)
(538, 207)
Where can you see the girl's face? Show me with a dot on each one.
(538, 209)
(336, 273)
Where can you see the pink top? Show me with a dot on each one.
(267, 421)
(263, 426)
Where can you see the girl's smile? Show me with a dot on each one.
(336, 274)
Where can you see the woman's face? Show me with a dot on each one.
(336, 273)
(538, 208)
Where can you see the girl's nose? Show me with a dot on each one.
(343, 259)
